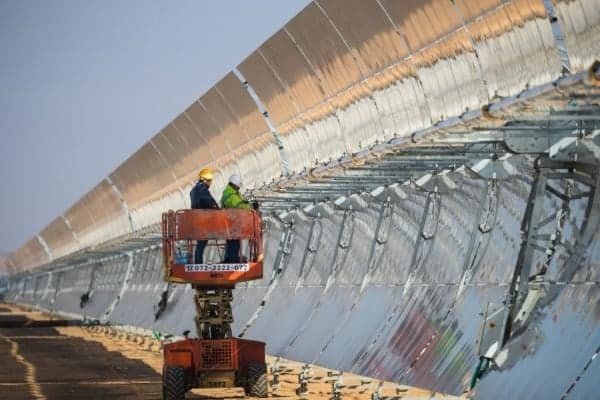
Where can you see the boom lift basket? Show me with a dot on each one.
(182, 228)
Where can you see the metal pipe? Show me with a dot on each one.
(421, 158)
(416, 164)
(286, 200)
(358, 180)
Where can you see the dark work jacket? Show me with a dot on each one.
(201, 198)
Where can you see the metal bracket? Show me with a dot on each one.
(312, 246)
(581, 149)
(86, 297)
(389, 193)
(436, 183)
(416, 259)
(522, 299)
(382, 231)
(490, 192)
(490, 161)
(347, 231)
(529, 226)
(494, 168)
(303, 379)
(57, 286)
(491, 202)
(575, 127)
(48, 284)
(160, 307)
(344, 242)
(430, 225)
(285, 249)
(36, 282)
(108, 312)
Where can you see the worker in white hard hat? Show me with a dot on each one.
(201, 198)
(232, 198)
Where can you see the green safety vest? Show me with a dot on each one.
(231, 198)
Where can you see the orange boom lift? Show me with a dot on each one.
(215, 359)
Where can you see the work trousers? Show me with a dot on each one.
(199, 253)
(232, 251)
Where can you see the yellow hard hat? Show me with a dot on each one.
(206, 174)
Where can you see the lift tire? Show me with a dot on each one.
(256, 380)
(174, 387)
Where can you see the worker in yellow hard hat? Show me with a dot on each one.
(201, 198)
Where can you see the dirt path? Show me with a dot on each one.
(39, 360)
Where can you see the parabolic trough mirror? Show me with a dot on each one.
(430, 199)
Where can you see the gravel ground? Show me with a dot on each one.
(39, 360)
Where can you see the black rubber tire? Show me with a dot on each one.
(174, 383)
(256, 380)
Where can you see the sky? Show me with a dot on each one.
(83, 84)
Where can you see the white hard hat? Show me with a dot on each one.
(236, 180)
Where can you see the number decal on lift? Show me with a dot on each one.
(216, 267)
